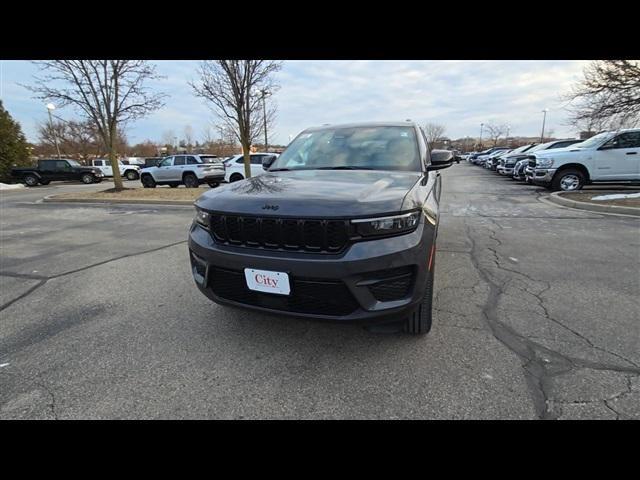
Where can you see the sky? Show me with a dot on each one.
(457, 94)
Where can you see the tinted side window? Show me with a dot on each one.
(62, 165)
(192, 161)
(166, 162)
(97, 163)
(48, 165)
(179, 161)
(256, 159)
(628, 140)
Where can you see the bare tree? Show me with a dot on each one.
(608, 96)
(434, 133)
(494, 132)
(75, 139)
(233, 89)
(109, 93)
(145, 149)
(188, 136)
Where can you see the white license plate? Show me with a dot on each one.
(267, 281)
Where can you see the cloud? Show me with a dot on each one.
(458, 94)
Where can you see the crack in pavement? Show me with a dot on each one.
(33, 379)
(540, 364)
(45, 279)
(538, 297)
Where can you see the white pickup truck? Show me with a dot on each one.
(609, 157)
(130, 172)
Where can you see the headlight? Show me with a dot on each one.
(544, 162)
(202, 218)
(387, 225)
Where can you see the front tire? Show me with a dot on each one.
(31, 180)
(568, 180)
(420, 320)
(236, 177)
(87, 178)
(148, 181)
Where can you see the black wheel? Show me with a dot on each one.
(568, 180)
(45, 182)
(190, 181)
(87, 178)
(173, 185)
(131, 175)
(419, 321)
(235, 177)
(148, 181)
(31, 180)
(213, 184)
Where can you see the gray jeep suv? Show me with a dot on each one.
(341, 227)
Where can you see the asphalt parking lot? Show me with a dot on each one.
(537, 315)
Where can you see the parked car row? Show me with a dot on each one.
(195, 170)
(567, 165)
(191, 170)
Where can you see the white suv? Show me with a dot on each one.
(130, 172)
(234, 167)
(190, 170)
(612, 157)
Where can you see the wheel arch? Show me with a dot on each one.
(575, 166)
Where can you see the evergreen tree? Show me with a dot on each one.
(13, 145)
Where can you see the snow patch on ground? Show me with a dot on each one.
(13, 186)
(616, 196)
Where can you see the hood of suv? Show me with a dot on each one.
(557, 151)
(314, 193)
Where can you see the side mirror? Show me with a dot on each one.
(440, 159)
(268, 161)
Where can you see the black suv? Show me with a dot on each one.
(342, 227)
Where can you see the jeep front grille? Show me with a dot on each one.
(328, 236)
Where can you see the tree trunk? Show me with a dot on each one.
(115, 167)
(246, 149)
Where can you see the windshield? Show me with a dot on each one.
(367, 148)
(520, 149)
(542, 146)
(74, 163)
(594, 141)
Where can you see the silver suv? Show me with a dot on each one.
(190, 170)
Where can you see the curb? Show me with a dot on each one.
(558, 199)
(93, 201)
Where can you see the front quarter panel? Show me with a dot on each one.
(425, 195)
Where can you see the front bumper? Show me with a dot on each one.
(542, 176)
(360, 266)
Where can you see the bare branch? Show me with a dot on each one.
(108, 93)
(232, 88)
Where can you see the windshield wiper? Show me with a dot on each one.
(279, 170)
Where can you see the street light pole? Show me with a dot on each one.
(50, 107)
(506, 140)
(543, 122)
(481, 127)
